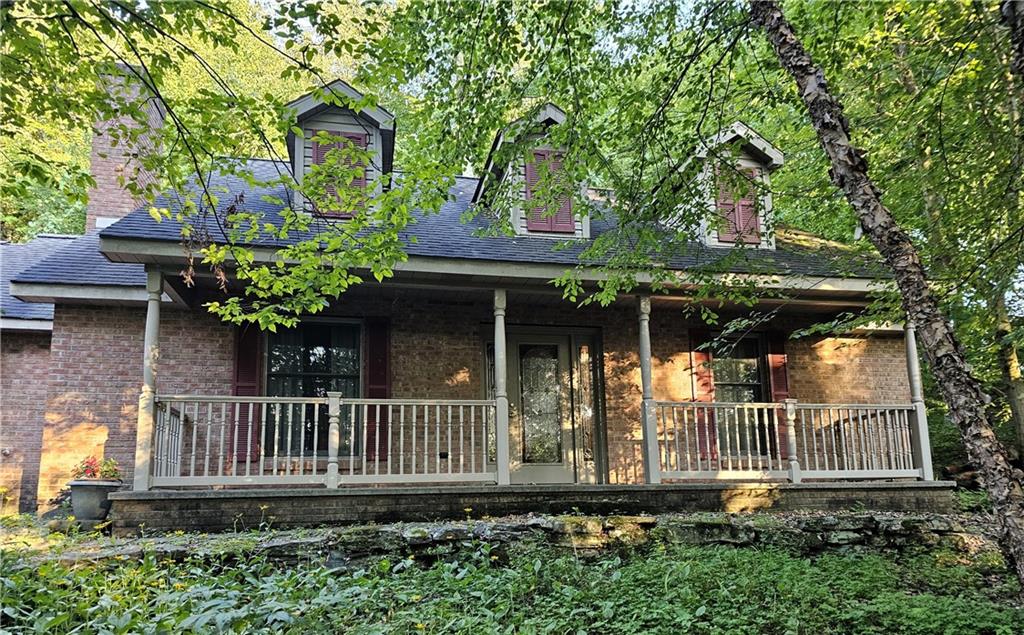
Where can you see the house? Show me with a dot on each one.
(466, 371)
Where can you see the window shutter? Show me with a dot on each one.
(320, 151)
(535, 219)
(740, 216)
(562, 221)
(377, 385)
(778, 378)
(703, 391)
(247, 383)
(359, 140)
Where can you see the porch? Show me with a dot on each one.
(525, 429)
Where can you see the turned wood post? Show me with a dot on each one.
(333, 437)
(146, 425)
(648, 418)
(920, 443)
(501, 429)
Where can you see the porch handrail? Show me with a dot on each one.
(205, 440)
(788, 440)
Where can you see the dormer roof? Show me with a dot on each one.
(312, 104)
(547, 115)
(752, 143)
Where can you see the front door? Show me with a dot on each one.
(547, 406)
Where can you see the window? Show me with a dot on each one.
(740, 374)
(538, 217)
(738, 209)
(351, 139)
(310, 361)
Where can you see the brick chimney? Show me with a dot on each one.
(113, 164)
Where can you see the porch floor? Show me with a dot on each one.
(239, 509)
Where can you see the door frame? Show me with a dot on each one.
(574, 333)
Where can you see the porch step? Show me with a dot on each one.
(232, 509)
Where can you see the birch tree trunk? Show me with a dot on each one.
(961, 391)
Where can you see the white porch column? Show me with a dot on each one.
(147, 398)
(648, 418)
(501, 431)
(332, 477)
(921, 445)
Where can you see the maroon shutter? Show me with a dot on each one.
(247, 383)
(778, 378)
(703, 391)
(378, 386)
(739, 214)
(359, 140)
(562, 221)
(535, 218)
(320, 151)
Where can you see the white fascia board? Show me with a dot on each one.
(17, 324)
(740, 130)
(128, 250)
(86, 294)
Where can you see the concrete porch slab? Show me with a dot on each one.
(238, 509)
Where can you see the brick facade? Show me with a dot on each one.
(24, 373)
(92, 402)
(437, 352)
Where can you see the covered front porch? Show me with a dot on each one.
(524, 428)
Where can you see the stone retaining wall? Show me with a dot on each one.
(227, 510)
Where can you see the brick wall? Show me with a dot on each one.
(92, 403)
(24, 371)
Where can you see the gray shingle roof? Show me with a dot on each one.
(442, 235)
(16, 258)
(81, 262)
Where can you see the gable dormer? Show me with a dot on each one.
(738, 163)
(530, 178)
(369, 128)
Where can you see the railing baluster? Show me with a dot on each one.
(746, 437)
(209, 435)
(803, 436)
(316, 436)
(449, 461)
(195, 437)
(277, 436)
(718, 437)
(352, 422)
(401, 437)
(302, 437)
(472, 437)
(686, 434)
(223, 431)
(264, 410)
(366, 426)
(289, 460)
(234, 438)
(391, 423)
(437, 439)
(413, 456)
(773, 413)
(462, 441)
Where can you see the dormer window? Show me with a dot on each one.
(737, 172)
(343, 141)
(539, 219)
(738, 209)
(325, 113)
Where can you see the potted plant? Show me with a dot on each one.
(93, 481)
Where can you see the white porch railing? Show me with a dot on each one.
(213, 440)
(785, 440)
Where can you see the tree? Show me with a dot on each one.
(849, 171)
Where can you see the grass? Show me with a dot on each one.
(532, 588)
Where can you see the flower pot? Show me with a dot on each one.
(89, 499)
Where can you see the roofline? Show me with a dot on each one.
(16, 325)
(497, 271)
(381, 116)
(770, 154)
